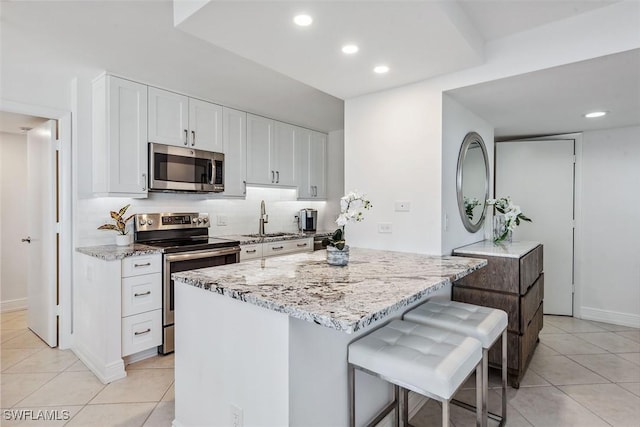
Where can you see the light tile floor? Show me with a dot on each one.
(582, 374)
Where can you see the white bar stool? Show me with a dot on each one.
(431, 361)
(485, 324)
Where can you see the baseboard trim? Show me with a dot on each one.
(13, 305)
(607, 316)
(144, 354)
(106, 373)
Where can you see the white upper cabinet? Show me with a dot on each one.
(311, 148)
(176, 119)
(119, 127)
(270, 152)
(234, 141)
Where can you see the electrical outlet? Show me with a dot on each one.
(236, 416)
(384, 227)
(222, 220)
(403, 206)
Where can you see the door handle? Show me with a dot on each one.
(186, 137)
(144, 182)
(272, 177)
(301, 245)
(28, 240)
(245, 187)
(143, 332)
(142, 294)
(193, 138)
(277, 248)
(147, 264)
(277, 177)
(252, 251)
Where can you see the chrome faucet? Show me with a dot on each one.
(264, 218)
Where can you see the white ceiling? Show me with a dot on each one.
(554, 101)
(416, 39)
(11, 122)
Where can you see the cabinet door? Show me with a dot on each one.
(120, 135)
(259, 147)
(303, 141)
(205, 126)
(283, 154)
(168, 117)
(234, 142)
(318, 165)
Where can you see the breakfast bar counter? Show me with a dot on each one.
(266, 340)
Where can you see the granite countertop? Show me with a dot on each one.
(374, 284)
(113, 252)
(488, 248)
(244, 239)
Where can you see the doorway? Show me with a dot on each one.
(36, 191)
(539, 175)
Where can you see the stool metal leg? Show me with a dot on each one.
(504, 378)
(405, 407)
(351, 374)
(445, 413)
(480, 397)
(396, 395)
(485, 385)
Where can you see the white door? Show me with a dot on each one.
(303, 174)
(285, 159)
(42, 269)
(168, 118)
(318, 165)
(205, 126)
(539, 177)
(235, 152)
(259, 147)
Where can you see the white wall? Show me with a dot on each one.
(457, 121)
(609, 254)
(13, 227)
(394, 138)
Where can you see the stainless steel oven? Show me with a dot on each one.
(186, 246)
(185, 169)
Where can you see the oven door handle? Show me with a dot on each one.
(211, 172)
(207, 253)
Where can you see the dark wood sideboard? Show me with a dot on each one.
(513, 281)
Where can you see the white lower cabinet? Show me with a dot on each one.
(141, 294)
(141, 332)
(282, 247)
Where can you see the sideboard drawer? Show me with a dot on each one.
(530, 303)
(141, 332)
(505, 302)
(141, 293)
(530, 268)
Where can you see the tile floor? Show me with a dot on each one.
(582, 374)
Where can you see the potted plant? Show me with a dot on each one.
(507, 218)
(352, 206)
(120, 226)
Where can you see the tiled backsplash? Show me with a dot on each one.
(242, 216)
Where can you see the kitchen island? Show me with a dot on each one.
(266, 340)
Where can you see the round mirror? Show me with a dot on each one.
(472, 181)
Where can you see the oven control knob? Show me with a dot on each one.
(194, 220)
(143, 221)
(199, 220)
(205, 220)
(149, 222)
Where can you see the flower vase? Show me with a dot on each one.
(336, 256)
(123, 239)
(500, 232)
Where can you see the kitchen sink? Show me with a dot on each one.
(268, 235)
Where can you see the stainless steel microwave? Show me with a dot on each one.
(185, 169)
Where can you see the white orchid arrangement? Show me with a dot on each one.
(469, 205)
(512, 215)
(352, 207)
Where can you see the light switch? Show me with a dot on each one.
(222, 220)
(403, 206)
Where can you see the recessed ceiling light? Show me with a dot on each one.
(303, 20)
(381, 69)
(349, 49)
(595, 114)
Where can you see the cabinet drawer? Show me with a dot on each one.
(145, 264)
(287, 247)
(501, 274)
(530, 268)
(248, 252)
(141, 294)
(141, 332)
(506, 302)
(530, 303)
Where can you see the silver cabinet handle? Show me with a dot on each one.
(186, 137)
(272, 177)
(277, 248)
(142, 265)
(301, 245)
(193, 138)
(27, 240)
(252, 251)
(144, 182)
(142, 294)
(143, 332)
(245, 187)
(278, 177)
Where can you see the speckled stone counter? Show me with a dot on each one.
(246, 239)
(113, 252)
(304, 286)
(506, 250)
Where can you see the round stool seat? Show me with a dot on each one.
(483, 323)
(428, 360)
